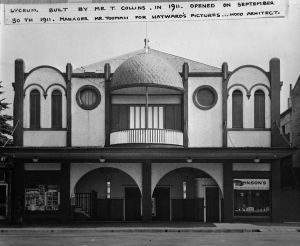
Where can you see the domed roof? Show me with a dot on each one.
(146, 69)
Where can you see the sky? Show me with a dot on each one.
(237, 42)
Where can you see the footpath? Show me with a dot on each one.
(155, 227)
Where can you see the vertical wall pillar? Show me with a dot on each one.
(65, 192)
(276, 192)
(107, 103)
(228, 192)
(146, 191)
(224, 102)
(69, 104)
(276, 139)
(185, 78)
(18, 102)
(18, 192)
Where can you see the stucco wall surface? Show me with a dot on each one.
(204, 126)
(88, 126)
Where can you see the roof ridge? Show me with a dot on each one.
(184, 58)
(113, 58)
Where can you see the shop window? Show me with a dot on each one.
(35, 109)
(56, 109)
(259, 109)
(251, 197)
(42, 198)
(237, 109)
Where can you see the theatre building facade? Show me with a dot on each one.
(146, 136)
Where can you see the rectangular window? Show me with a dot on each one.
(125, 117)
(173, 117)
(119, 117)
(108, 189)
(184, 189)
(138, 117)
(251, 197)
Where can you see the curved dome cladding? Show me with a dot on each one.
(146, 70)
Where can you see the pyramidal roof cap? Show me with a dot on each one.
(175, 61)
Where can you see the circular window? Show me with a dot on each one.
(205, 97)
(88, 97)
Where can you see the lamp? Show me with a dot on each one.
(102, 159)
(35, 159)
(189, 160)
(256, 159)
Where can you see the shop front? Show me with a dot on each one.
(252, 194)
(5, 188)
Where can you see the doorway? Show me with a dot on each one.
(132, 204)
(161, 199)
(212, 204)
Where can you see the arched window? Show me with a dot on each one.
(237, 109)
(56, 109)
(35, 109)
(259, 109)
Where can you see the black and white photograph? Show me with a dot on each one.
(155, 122)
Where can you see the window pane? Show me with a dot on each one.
(237, 109)
(132, 117)
(88, 97)
(259, 109)
(56, 109)
(35, 109)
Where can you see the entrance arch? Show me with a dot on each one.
(187, 194)
(107, 194)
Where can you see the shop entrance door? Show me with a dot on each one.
(212, 204)
(3, 201)
(161, 197)
(132, 204)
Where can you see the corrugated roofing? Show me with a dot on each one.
(147, 69)
(173, 60)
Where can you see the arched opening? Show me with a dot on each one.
(107, 194)
(186, 194)
(237, 109)
(35, 109)
(259, 109)
(56, 109)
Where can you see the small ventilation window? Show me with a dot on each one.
(205, 97)
(88, 97)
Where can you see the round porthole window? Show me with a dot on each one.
(88, 97)
(205, 97)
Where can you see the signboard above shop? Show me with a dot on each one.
(251, 184)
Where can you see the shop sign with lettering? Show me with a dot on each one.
(251, 184)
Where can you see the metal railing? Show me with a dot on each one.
(142, 136)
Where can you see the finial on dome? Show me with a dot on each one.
(146, 40)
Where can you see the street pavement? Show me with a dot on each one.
(93, 238)
(155, 233)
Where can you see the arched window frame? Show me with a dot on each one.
(259, 109)
(35, 108)
(56, 109)
(237, 108)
